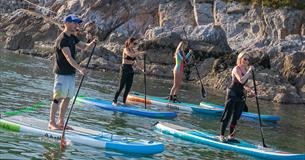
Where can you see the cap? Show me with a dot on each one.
(72, 18)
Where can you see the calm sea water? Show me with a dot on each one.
(27, 80)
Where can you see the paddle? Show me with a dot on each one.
(258, 110)
(145, 81)
(62, 140)
(203, 92)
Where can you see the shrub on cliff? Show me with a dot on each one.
(299, 4)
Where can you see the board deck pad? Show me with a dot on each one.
(205, 135)
(130, 109)
(204, 107)
(43, 124)
(99, 139)
(210, 139)
(137, 97)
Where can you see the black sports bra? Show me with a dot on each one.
(130, 58)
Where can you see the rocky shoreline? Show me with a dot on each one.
(275, 39)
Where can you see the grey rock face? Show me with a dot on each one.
(160, 25)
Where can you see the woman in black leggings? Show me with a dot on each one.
(128, 59)
(235, 99)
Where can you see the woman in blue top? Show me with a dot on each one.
(180, 58)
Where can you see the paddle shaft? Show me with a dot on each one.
(145, 81)
(258, 110)
(76, 94)
(203, 92)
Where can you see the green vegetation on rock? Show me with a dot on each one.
(299, 4)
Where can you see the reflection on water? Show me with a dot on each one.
(26, 80)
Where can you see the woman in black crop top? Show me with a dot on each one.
(128, 59)
(235, 99)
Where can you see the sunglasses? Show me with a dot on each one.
(246, 59)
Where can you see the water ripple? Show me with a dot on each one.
(26, 80)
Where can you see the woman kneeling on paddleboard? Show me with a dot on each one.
(128, 59)
(180, 58)
(235, 99)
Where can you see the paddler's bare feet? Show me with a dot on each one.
(53, 126)
(222, 138)
(61, 127)
(114, 104)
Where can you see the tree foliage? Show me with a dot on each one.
(298, 4)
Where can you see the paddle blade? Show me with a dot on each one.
(63, 143)
(203, 92)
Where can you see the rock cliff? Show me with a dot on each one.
(216, 30)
